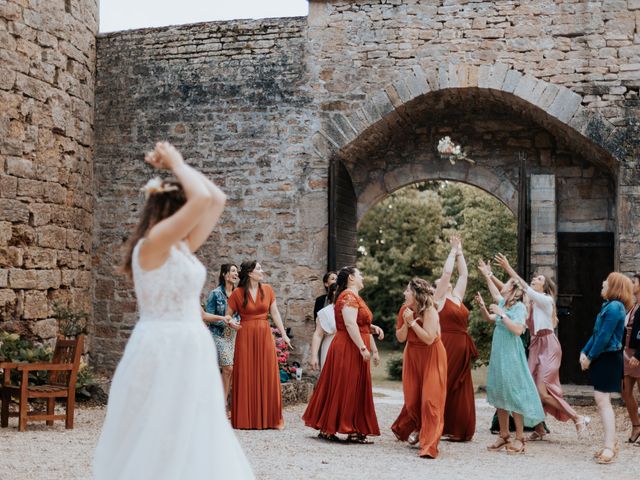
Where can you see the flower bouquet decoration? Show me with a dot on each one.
(449, 150)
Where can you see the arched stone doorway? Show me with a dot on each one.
(536, 148)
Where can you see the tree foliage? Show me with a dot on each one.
(406, 235)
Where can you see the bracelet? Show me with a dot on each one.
(412, 324)
(490, 274)
(363, 348)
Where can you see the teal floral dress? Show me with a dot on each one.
(223, 336)
(509, 383)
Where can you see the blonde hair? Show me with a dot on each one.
(423, 292)
(619, 287)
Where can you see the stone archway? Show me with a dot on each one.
(565, 188)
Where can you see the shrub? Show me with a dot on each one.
(394, 367)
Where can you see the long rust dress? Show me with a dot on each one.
(424, 384)
(256, 399)
(460, 410)
(342, 401)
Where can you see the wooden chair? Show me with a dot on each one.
(61, 383)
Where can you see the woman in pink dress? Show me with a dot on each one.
(631, 345)
(545, 352)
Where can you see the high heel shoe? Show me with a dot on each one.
(499, 444)
(634, 438)
(512, 449)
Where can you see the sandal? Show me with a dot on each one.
(582, 425)
(413, 438)
(513, 450)
(328, 437)
(604, 459)
(536, 436)
(616, 449)
(499, 444)
(634, 438)
(359, 438)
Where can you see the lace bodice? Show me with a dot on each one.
(170, 292)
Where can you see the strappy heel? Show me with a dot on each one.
(634, 439)
(499, 444)
(513, 450)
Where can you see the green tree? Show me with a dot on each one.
(405, 235)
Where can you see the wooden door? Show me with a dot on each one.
(342, 217)
(584, 261)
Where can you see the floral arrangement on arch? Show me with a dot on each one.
(451, 151)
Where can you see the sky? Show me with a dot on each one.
(128, 14)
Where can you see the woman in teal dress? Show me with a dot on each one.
(510, 387)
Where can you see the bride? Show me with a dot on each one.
(166, 414)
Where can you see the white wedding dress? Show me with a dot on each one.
(166, 415)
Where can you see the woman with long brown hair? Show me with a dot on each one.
(602, 356)
(545, 352)
(148, 432)
(510, 387)
(256, 397)
(342, 401)
(460, 410)
(424, 369)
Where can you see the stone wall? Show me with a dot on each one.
(47, 72)
(235, 98)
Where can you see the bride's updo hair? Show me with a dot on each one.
(423, 291)
(159, 204)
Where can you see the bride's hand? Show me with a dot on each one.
(164, 157)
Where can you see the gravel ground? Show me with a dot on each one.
(295, 453)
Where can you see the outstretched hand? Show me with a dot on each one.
(456, 243)
(479, 300)
(503, 262)
(484, 268)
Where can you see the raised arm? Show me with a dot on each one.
(199, 201)
(463, 274)
(199, 234)
(486, 272)
(483, 309)
(447, 271)
(506, 266)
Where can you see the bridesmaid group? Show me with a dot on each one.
(433, 322)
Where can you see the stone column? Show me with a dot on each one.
(544, 240)
(628, 218)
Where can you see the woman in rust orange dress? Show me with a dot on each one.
(256, 398)
(424, 369)
(342, 401)
(460, 410)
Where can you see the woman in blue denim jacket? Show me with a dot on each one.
(602, 355)
(223, 330)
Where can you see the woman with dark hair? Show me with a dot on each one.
(510, 387)
(322, 301)
(342, 401)
(424, 369)
(632, 361)
(602, 356)
(460, 410)
(148, 432)
(256, 397)
(545, 352)
(223, 331)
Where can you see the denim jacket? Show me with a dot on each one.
(217, 305)
(608, 330)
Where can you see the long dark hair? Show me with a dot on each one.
(156, 208)
(246, 268)
(331, 293)
(343, 279)
(325, 278)
(549, 287)
(224, 269)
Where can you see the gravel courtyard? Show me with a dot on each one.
(295, 453)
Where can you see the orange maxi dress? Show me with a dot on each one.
(460, 410)
(342, 401)
(424, 384)
(256, 398)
